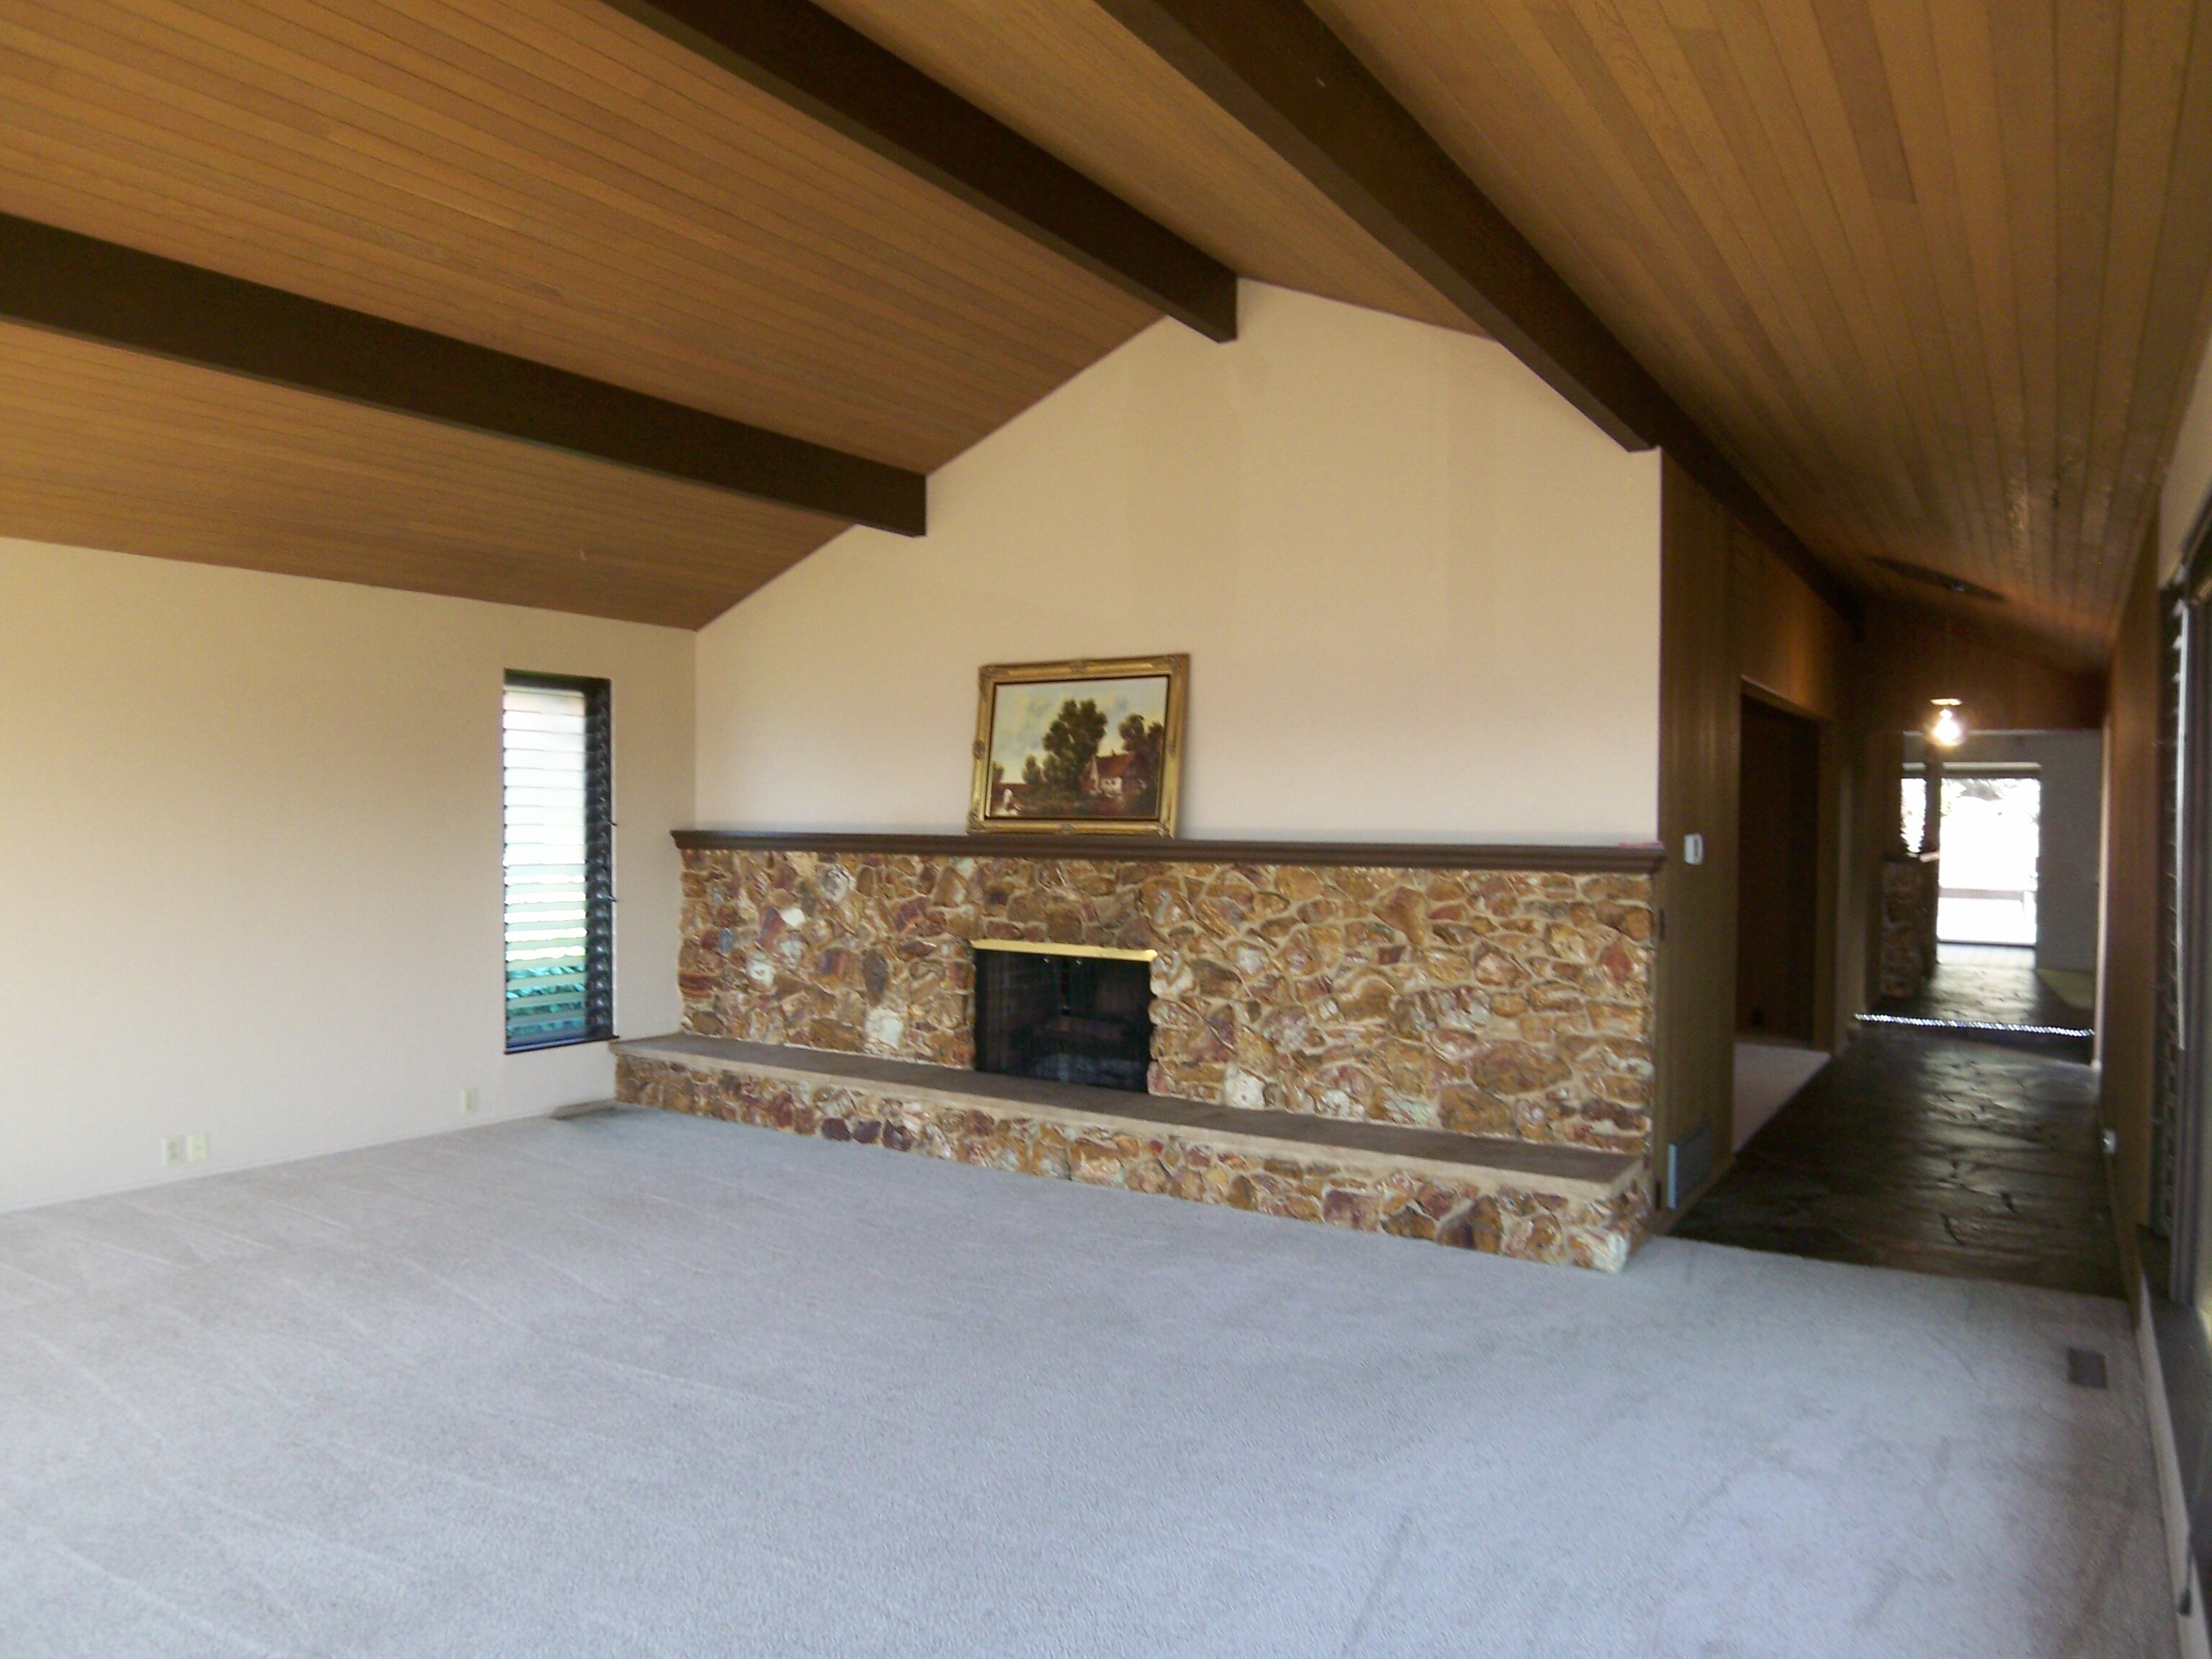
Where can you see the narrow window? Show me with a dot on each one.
(559, 861)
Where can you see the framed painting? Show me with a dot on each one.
(1079, 748)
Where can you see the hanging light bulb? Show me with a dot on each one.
(1946, 730)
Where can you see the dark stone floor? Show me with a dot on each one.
(1930, 1152)
(1989, 987)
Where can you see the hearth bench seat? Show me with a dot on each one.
(1539, 1201)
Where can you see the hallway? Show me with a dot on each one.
(1995, 985)
(1933, 1153)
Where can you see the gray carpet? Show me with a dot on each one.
(641, 1384)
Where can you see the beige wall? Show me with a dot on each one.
(1419, 592)
(251, 831)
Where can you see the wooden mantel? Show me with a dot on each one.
(1124, 849)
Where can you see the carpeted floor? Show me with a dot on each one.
(647, 1385)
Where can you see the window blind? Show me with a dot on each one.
(557, 864)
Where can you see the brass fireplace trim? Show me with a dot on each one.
(1044, 948)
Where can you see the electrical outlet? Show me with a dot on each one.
(468, 1100)
(173, 1150)
(195, 1149)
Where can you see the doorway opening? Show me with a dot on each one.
(1778, 873)
(2014, 850)
(1957, 1133)
(1991, 846)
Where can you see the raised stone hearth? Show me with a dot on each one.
(1543, 1203)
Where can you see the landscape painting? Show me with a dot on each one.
(1079, 747)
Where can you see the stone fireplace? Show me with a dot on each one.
(1446, 1043)
(1069, 1013)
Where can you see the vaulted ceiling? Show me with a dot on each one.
(550, 180)
(1934, 271)
(1927, 278)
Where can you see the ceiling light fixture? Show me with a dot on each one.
(1946, 726)
(1946, 729)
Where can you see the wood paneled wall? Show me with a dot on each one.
(1793, 649)
(1734, 617)
(1700, 699)
(2126, 1020)
(1790, 643)
(2007, 681)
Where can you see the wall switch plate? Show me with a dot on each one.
(1693, 848)
(195, 1149)
(173, 1150)
(468, 1100)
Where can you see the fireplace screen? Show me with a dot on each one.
(1069, 1012)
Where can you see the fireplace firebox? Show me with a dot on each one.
(1073, 1013)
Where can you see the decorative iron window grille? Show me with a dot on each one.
(558, 777)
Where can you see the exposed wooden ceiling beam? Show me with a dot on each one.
(798, 53)
(97, 290)
(1281, 72)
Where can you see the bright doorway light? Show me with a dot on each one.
(1992, 836)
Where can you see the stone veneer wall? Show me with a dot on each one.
(1468, 1210)
(1488, 1002)
(1908, 893)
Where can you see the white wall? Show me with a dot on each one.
(2067, 917)
(250, 831)
(2069, 854)
(1420, 594)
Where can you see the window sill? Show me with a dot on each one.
(560, 1042)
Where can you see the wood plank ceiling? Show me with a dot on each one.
(546, 177)
(117, 449)
(1933, 271)
(1063, 73)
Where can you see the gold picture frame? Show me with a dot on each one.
(1042, 764)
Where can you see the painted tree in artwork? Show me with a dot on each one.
(1141, 740)
(1070, 743)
